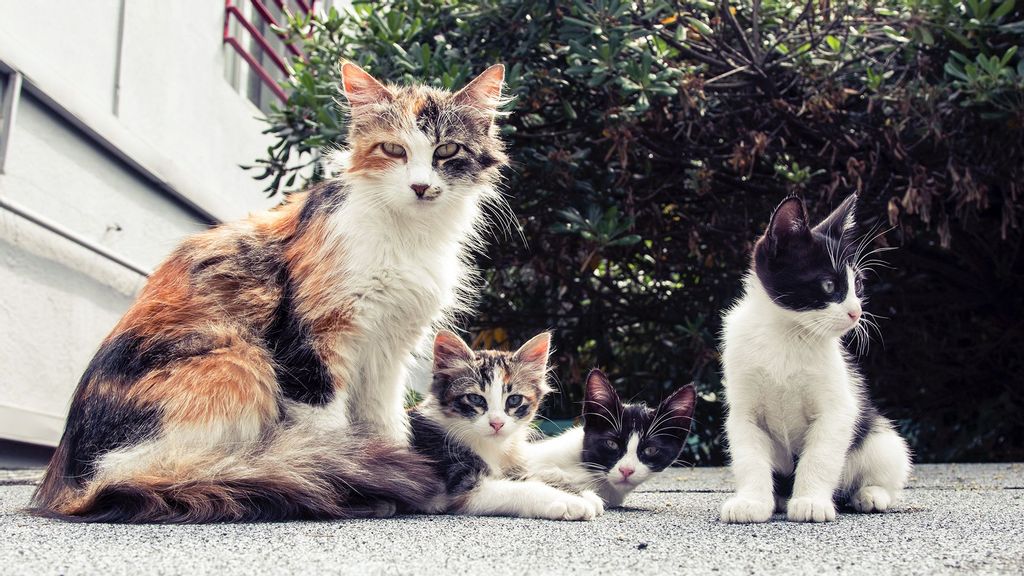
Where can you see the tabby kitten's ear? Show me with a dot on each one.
(484, 92)
(533, 357)
(601, 404)
(450, 352)
(360, 88)
(788, 224)
(842, 221)
(679, 406)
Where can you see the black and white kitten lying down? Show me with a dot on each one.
(475, 426)
(799, 416)
(618, 447)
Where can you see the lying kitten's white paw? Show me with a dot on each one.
(570, 507)
(593, 498)
(871, 499)
(743, 510)
(810, 509)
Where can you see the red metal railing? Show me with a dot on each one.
(231, 10)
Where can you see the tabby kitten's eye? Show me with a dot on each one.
(611, 444)
(650, 451)
(476, 400)
(393, 150)
(513, 401)
(446, 151)
(828, 286)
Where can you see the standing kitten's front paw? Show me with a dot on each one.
(570, 507)
(743, 510)
(811, 509)
(593, 498)
(871, 499)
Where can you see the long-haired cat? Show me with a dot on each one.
(260, 373)
(619, 446)
(799, 416)
(475, 425)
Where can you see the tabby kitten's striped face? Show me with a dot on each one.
(417, 147)
(494, 394)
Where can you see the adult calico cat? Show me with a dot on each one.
(260, 374)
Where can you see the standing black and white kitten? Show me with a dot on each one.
(798, 411)
(475, 424)
(618, 447)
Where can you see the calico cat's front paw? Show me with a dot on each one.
(811, 509)
(871, 499)
(744, 510)
(570, 507)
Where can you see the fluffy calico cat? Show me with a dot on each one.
(475, 425)
(261, 372)
(798, 409)
(618, 447)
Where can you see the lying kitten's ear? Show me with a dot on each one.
(450, 351)
(680, 406)
(788, 223)
(360, 88)
(533, 355)
(484, 92)
(601, 404)
(842, 221)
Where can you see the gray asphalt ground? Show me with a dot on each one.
(966, 519)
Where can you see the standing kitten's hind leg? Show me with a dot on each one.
(877, 470)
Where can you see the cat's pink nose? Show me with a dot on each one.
(854, 315)
(497, 424)
(419, 189)
(626, 471)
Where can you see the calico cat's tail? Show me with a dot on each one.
(293, 475)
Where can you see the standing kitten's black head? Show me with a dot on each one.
(494, 394)
(629, 442)
(812, 270)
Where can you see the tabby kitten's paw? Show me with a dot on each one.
(871, 499)
(743, 510)
(811, 509)
(570, 507)
(384, 509)
(593, 498)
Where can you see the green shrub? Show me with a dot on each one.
(652, 139)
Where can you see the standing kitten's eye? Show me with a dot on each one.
(651, 451)
(513, 401)
(611, 444)
(476, 400)
(393, 150)
(828, 286)
(445, 151)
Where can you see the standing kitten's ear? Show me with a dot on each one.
(679, 405)
(484, 92)
(788, 223)
(360, 88)
(450, 351)
(601, 404)
(842, 221)
(533, 356)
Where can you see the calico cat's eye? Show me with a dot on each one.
(476, 400)
(611, 444)
(393, 150)
(651, 451)
(513, 401)
(446, 151)
(828, 286)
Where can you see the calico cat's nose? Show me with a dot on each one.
(419, 189)
(497, 424)
(626, 471)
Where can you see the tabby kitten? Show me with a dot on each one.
(619, 446)
(474, 426)
(260, 374)
(799, 416)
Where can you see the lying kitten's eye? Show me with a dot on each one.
(446, 151)
(651, 451)
(393, 150)
(828, 286)
(513, 401)
(858, 284)
(476, 400)
(611, 444)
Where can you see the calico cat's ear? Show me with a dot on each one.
(601, 404)
(842, 221)
(450, 351)
(534, 354)
(360, 88)
(484, 92)
(680, 405)
(788, 223)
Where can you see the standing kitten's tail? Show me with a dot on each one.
(293, 475)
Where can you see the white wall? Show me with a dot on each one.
(132, 169)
